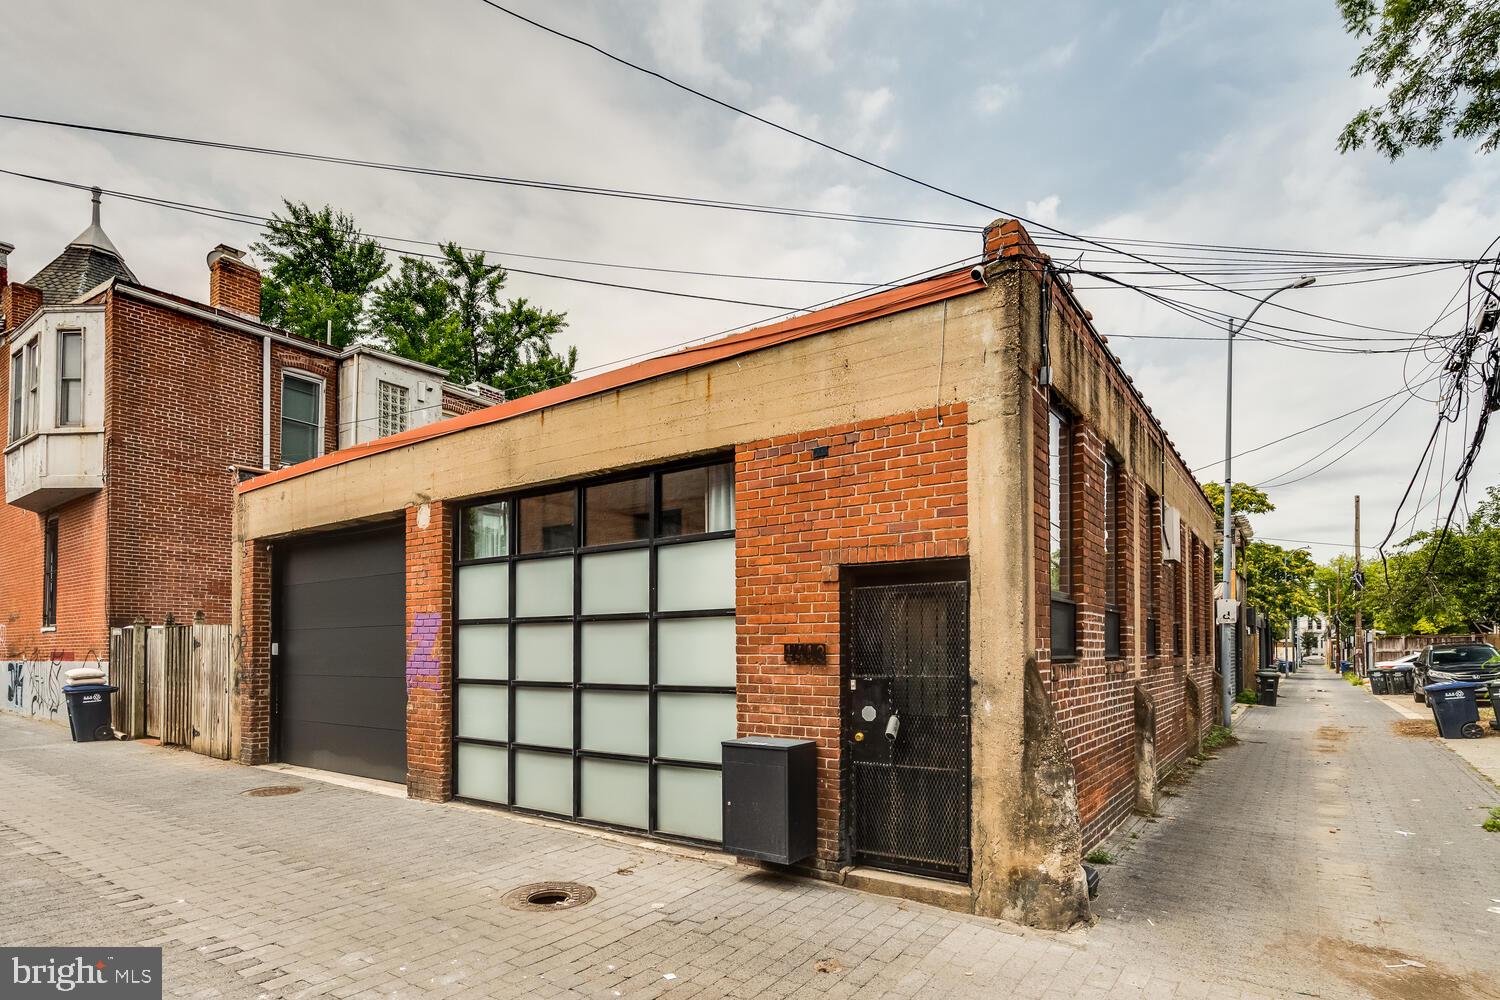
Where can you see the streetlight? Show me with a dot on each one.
(1229, 683)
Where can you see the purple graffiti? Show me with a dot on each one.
(422, 667)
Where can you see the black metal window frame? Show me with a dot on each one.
(49, 573)
(1063, 621)
(1112, 567)
(580, 548)
(1153, 574)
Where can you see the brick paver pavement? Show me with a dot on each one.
(1238, 890)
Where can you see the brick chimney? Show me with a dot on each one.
(17, 303)
(233, 285)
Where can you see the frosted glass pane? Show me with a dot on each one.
(616, 792)
(692, 726)
(616, 652)
(544, 652)
(616, 582)
(482, 712)
(689, 803)
(544, 781)
(695, 651)
(483, 652)
(544, 587)
(696, 576)
(482, 774)
(544, 717)
(616, 722)
(484, 591)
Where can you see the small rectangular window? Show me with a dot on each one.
(485, 531)
(33, 389)
(17, 396)
(393, 408)
(49, 573)
(301, 419)
(1059, 522)
(547, 522)
(69, 378)
(1153, 552)
(695, 501)
(617, 512)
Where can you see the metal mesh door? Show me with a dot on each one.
(910, 812)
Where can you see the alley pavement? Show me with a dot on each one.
(1325, 856)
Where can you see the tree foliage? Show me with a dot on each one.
(1438, 63)
(1432, 584)
(1279, 582)
(447, 312)
(319, 268)
(1243, 498)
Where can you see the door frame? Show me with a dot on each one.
(854, 575)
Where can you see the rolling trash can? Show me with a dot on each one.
(1380, 681)
(88, 711)
(1402, 681)
(1266, 683)
(1455, 709)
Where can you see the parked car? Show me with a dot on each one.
(1407, 662)
(1314, 659)
(1465, 662)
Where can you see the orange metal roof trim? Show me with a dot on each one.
(895, 300)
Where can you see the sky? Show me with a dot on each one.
(1205, 121)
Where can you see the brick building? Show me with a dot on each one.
(130, 415)
(935, 530)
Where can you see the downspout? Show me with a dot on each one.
(265, 403)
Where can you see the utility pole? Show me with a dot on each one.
(1227, 673)
(1359, 615)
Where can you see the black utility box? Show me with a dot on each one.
(771, 798)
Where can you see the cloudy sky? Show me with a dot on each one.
(1203, 121)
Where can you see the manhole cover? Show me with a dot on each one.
(548, 896)
(266, 791)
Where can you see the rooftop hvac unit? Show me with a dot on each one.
(1171, 534)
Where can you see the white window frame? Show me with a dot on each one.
(17, 397)
(32, 422)
(380, 409)
(63, 380)
(304, 376)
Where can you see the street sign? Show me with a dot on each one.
(1359, 579)
(1226, 612)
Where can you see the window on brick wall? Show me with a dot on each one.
(1152, 550)
(393, 408)
(69, 378)
(1176, 582)
(301, 418)
(595, 659)
(1060, 535)
(49, 573)
(1113, 571)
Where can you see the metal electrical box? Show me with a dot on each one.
(771, 798)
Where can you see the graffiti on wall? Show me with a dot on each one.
(422, 669)
(34, 684)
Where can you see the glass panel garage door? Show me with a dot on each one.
(596, 650)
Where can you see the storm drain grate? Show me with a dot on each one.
(268, 791)
(548, 896)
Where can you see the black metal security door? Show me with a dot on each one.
(906, 732)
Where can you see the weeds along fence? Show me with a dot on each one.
(174, 684)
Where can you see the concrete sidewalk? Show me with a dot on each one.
(1277, 871)
(1483, 755)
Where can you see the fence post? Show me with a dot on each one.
(136, 718)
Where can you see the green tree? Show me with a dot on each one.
(1244, 499)
(451, 313)
(1279, 582)
(1438, 63)
(319, 269)
(1309, 642)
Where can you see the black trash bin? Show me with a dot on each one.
(88, 711)
(1266, 683)
(1380, 680)
(1455, 709)
(1402, 680)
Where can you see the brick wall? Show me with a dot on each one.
(454, 404)
(429, 631)
(887, 490)
(252, 671)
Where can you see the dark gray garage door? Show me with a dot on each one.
(340, 669)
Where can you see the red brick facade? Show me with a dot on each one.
(886, 491)
(252, 652)
(429, 656)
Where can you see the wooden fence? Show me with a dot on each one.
(174, 683)
(1392, 647)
